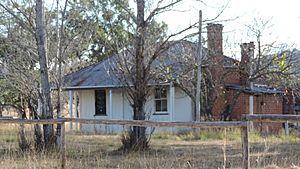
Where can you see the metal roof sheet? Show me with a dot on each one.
(99, 75)
(255, 90)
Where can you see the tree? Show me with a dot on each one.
(136, 65)
(72, 29)
(18, 61)
(101, 22)
(41, 42)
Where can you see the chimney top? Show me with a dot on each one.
(214, 40)
(248, 46)
(214, 26)
(247, 55)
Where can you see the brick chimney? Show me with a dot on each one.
(216, 66)
(215, 48)
(247, 52)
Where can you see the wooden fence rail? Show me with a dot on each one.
(27, 121)
(243, 125)
(272, 118)
(145, 123)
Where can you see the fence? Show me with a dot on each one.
(243, 125)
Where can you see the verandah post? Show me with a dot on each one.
(63, 147)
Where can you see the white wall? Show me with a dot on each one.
(87, 110)
(183, 106)
(182, 109)
(122, 110)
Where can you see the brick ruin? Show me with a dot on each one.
(232, 86)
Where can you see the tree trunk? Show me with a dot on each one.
(137, 137)
(23, 143)
(45, 85)
(1, 110)
(38, 136)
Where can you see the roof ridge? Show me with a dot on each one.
(90, 66)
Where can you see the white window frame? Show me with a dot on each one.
(161, 99)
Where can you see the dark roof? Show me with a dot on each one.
(94, 76)
(257, 89)
(99, 74)
(230, 62)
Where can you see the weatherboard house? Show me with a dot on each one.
(98, 93)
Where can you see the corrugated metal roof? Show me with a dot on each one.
(255, 90)
(99, 75)
(94, 76)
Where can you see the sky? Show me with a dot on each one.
(283, 17)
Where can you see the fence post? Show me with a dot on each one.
(245, 144)
(63, 146)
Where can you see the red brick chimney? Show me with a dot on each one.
(215, 48)
(216, 66)
(247, 52)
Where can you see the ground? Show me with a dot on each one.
(167, 151)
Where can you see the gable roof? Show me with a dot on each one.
(99, 75)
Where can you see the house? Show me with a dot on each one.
(100, 95)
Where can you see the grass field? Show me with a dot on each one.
(208, 149)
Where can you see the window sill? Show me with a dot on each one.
(100, 115)
(161, 113)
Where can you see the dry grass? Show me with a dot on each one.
(101, 151)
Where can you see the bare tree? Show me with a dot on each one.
(136, 65)
(60, 37)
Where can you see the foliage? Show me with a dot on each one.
(102, 23)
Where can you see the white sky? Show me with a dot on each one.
(284, 15)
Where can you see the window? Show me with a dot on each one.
(100, 102)
(161, 101)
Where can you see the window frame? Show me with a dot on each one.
(163, 110)
(103, 95)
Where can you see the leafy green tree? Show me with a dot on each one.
(102, 22)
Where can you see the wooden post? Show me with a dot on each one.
(76, 110)
(251, 108)
(71, 107)
(63, 146)
(286, 128)
(199, 64)
(172, 101)
(112, 127)
(245, 147)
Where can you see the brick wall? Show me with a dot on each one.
(289, 102)
(263, 104)
(268, 104)
(231, 76)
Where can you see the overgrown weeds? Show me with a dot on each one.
(204, 149)
(219, 134)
